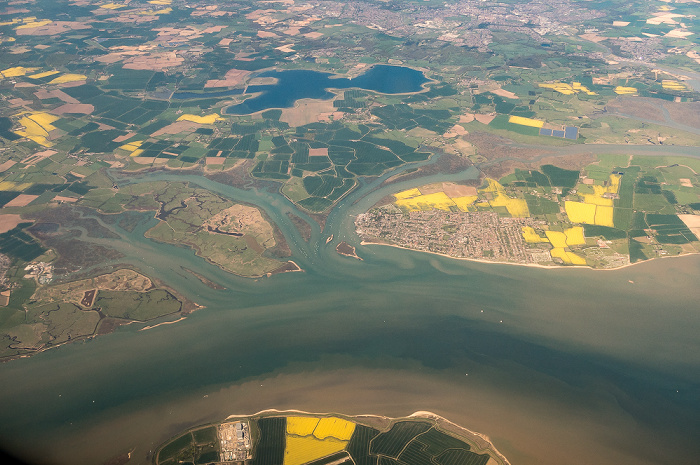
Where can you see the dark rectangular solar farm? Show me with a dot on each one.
(569, 132)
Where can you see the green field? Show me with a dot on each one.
(140, 306)
(393, 441)
(359, 445)
(177, 451)
(351, 152)
(183, 223)
(411, 442)
(43, 326)
(270, 447)
(650, 190)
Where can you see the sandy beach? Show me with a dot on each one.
(529, 265)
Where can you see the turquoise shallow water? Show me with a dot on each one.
(557, 366)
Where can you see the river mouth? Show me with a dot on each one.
(555, 366)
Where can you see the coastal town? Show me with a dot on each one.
(474, 235)
(603, 218)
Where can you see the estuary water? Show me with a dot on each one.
(556, 366)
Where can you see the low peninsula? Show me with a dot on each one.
(274, 437)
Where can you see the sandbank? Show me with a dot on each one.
(161, 324)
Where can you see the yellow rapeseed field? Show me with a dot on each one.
(556, 238)
(37, 127)
(567, 257)
(43, 75)
(23, 23)
(300, 450)
(12, 72)
(16, 71)
(463, 203)
(44, 119)
(579, 212)
(438, 200)
(602, 190)
(68, 78)
(517, 208)
(604, 216)
(672, 85)
(208, 119)
(301, 426)
(311, 438)
(621, 90)
(567, 89)
(14, 186)
(535, 123)
(493, 186)
(334, 427)
(133, 147)
(614, 183)
(160, 2)
(574, 236)
(112, 6)
(560, 87)
(34, 132)
(414, 200)
(531, 236)
(407, 194)
(595, 199)
(31, 24)
(560, 241)
(576, 259)
(163, 11)
(577, 86)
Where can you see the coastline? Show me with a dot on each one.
(472, 437)
(164, 323)
(530, 265)
(197, 252)
(347, 250)
(284, 269)
(440, 420)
